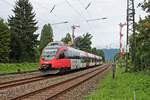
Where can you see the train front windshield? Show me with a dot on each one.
(48, 53)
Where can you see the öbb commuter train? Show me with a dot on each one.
(57, 57)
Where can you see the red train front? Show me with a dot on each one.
(56, 57)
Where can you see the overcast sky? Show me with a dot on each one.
(105, 32)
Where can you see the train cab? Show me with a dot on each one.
(56, 56)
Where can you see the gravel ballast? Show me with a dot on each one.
(81, 91)
(23, 89)
(7, 78)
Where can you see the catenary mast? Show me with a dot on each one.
(130, 31)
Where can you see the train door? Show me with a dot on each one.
(75, 60)
(62, 61)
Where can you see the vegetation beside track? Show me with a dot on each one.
(125, 86)
(17, 67)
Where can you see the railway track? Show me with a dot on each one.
(58, 88)
(21, 82)
(18, 82)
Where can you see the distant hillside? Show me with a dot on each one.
(110, 53)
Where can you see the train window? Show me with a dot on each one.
(62, 55)
(84, 59)
(66, 53)
(49, 53)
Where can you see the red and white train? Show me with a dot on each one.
(57, 57)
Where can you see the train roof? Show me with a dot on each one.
(58, 45)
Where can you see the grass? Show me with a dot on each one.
(124, 87)
(12, 68)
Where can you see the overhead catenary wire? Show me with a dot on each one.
(87, 13)
(83, 17)
(88, 5)
(53, 6)
(41, 6)
(73, 8)
(46, 8)
(52, 9)
(85, 7)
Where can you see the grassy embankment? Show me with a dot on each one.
(126, 86)
(12, 68)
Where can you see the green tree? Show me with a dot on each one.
(94, 50)
(22, 26)
(98, 52)
(142, 39)
(66, 39)
(4, 41)
(84, 42)
(143, 44)
(145, 5)
(46, 36)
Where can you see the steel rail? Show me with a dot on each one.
(57, 84)
(21, 82)
(76, 84)
(18, 82)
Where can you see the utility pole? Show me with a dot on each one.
(130, 31)
(121, 35)
(73, 36)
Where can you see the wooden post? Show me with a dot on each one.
(113, 70)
